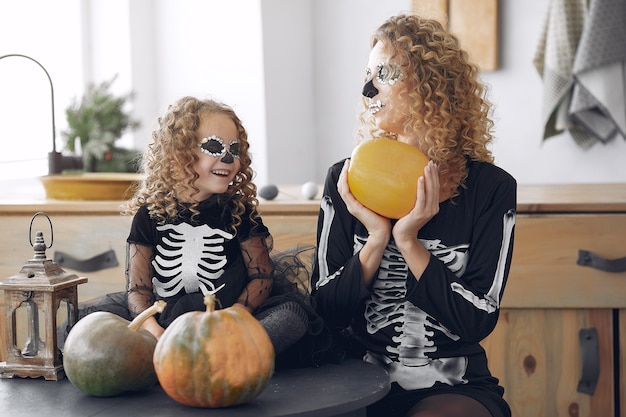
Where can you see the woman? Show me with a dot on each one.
(417, 295)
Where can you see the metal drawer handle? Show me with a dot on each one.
(588, 339)
(104, 260)
(590, 259)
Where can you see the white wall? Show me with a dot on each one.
(343, 29)
(209, 49)
(289, 91)
(293, 70)
(342, 36)
(25, 103)
(517, 95)
(161, 50)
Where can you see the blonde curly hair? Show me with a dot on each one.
(447, 103)
(170, 158)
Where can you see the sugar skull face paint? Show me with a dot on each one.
(386, 74)
(217, 162)
(214, 146)
(385, 89)
(369, 90)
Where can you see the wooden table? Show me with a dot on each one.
(330, 390)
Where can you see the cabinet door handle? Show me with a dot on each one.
(104, 260)
(590, 259)
(588, 339)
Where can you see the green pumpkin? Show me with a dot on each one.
(106, 355)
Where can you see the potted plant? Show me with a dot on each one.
(96, 123)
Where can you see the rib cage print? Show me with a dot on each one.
(413, 337)
(407, 360)
(191, 258)
(414, 329)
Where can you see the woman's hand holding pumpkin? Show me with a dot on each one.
(376, 225)
(426, 206)
(406, 229)
(378, 228)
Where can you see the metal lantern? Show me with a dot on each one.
(33, 300)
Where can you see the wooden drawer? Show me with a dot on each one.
(536, 355)
(84, 236)
(544, 272)
(87, 236)
(288, 231)
(535, 349)
(80, 236)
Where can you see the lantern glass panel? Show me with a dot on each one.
(29, 338)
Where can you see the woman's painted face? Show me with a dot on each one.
(218, 155)
(384, 87)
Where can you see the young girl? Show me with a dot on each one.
(196, 229)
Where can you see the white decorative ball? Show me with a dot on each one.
(309, 190)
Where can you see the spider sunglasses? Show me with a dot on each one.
(214, 146)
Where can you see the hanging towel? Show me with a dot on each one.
(599, 94)
(554, 60)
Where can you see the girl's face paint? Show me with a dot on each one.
(215, 146)
(217, 164)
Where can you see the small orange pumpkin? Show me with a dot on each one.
(383, 176)
(214, 358)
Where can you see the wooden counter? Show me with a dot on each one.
(88, 228)
(535, 350)
(571, 198)
(559, 317)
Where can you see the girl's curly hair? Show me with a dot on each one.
(170, 158)
(447, 103)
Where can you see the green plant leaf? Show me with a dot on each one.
(98, 120)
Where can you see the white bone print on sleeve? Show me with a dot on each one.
(190, 258)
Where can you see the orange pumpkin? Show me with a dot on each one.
(383, 176)
(214, 358)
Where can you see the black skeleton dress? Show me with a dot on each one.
(190, 256)
(196, 254)
(425, 333)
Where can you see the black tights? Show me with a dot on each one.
(430, 405)
(449, 405)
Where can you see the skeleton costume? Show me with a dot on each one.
(425, 333)
(190, 256)
(199, 255)
(194, 255)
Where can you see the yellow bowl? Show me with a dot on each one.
(91, 186)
